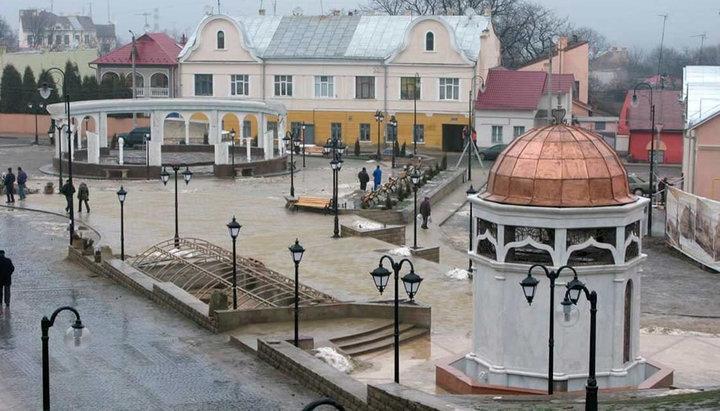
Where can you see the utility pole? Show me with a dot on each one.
(549, 93)
(702, 43)
(662, 41)
(134, 89)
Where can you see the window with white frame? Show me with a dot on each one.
(203, 85)
(518, 131)
(449, 89)
(239, 85)
(364, 132)
(497, 134)
(324, 86)
(283, 85)
(365, 87)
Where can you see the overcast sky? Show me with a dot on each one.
(631, 23)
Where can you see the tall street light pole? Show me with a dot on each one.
(302, 127)
(51, 132)
(164, 177)
(121, 197)
(415, 178)
(471, 191)
(292, 141)
(234, 229)
(411, 282)
(393, 126)
(529, 285)
(468, 134)
(379, 118)
(634, 102)
(133, 52)
(415, 97)
(574, 288)
(335, 147)
(35, 106)
(232, 136)
(297, 251)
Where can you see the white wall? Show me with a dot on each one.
(485, 119)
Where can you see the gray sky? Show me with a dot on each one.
(631, 23)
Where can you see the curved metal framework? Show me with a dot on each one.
(200, 267)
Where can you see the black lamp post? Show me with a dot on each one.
(337, 148)
(164, 177)
(379, 118)
(468, 133)
(635, 102)
(35, 106)
(529, 285)
(470, 191)
(393, 124)
(297, 251)
(51, 134)
(415, 178)
(234, 229)
(415, 97)
(76, 337)
(121, 197)
(574, 288)
(45, 92)
(295, 140)
(303, 142)
(411, 282)
(232, 136)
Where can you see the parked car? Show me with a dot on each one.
(137, 136)
(638, 186)
(491, 153)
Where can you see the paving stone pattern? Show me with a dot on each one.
(142, 356)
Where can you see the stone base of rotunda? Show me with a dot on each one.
(469, 374)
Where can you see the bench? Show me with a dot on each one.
(318, 203)
(116, 172)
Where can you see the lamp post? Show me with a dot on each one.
(35, 106)
(379, 118)
(234, 229)
(574, 288)
(51, 133)
(164, 177)
(393, 125)
(635, 102)
(415, 96)
(303, 142)
(470, 191)
(411, 282)
(121, 197)
(45, 92)
(337, 148)
(468, 134)
(295, 143)
(232, 136)
(415, 178)
(76, 337)
(297, 251)
(529, 285)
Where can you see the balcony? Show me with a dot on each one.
(152, 92)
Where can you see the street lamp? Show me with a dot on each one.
(76, 337)
(295, 140)
(35, 106)
(415, 178)
(529, 285)
(297, 251)
(45, 92)
(634, 102)
(411, 283)
(232, 136)
(337, 148)
(574, 288)
(51, 134)
(415, 96)
(468, 134)
(234, 229)
(470, 191)
(379, 118)
(164, 177)
(393, 125)
(303, 142)
(121, 197)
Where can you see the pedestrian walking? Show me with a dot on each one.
(6, 270)
(68, 190)
(21, 180)
(8, 183)
(425, 212)
(663, 188)
(364, 177)
(83, 196)
(377, 177)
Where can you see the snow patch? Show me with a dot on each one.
(458, 274)
(334, 359)
(401, 251)
(674, 331)
(367, 225)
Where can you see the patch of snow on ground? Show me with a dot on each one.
(674, 331)
(366, 225)
(458, 274)
(334, 358)
(401, 251)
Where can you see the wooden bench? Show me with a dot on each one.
(318, 203)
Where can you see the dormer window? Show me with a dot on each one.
(429, 41)
(221, 40)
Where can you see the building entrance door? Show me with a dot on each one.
(309, 133)
(452, 137)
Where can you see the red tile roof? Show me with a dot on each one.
(519, 90)
(562, 83)
(153, 49)
(668, 111)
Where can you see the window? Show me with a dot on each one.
(87, 39)
(599, 125)
(364, 87)
(518, 130)
(239, 85)
(430, 41)
(576, 90)
(30, 39)
(497, 134)
(420, 133)
(247, 128)
(203, 85)
(390, 133)
(449, 89)
(336, 131)
(409, 88)
(296, 128)
(221, 40)
(58, 39)
(324, 86)
(50, 40)
(283, 86)
(627, 321)
(364, 132)
(66, 39)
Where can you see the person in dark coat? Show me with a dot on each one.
(6, 270)
(364, 177)
(425, 212)
(83, 196)
(68, 190)
(9, 181)
(377, 177)
(663, 188)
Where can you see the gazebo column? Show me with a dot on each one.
(93, 147)
(157, 138)
(222, 152)
(281, 134)
(266, 137)
(214, 131)
(102, 124)
(78, 131)
(186, 117)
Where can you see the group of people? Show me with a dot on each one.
(8, 183)
(68, 190)
(364, 178)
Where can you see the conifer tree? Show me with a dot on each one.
(11, 91)
(30, 91)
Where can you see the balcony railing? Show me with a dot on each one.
(152, 92)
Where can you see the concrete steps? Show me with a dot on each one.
(377, 338)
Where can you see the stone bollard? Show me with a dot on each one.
(218, 301)
(49, 188)
(98, 257)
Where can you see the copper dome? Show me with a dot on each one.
(558, 166)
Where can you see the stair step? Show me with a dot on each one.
(373, 337)
(385, 326)
(386, 342)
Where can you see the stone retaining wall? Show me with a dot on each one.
(391, 234)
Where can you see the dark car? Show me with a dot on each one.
(491, 153)
(137, 136)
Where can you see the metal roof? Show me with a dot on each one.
(701, 92)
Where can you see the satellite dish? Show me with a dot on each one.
(470, 12)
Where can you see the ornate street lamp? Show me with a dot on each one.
(234, 229)
(302, 127)
(297, 251)
(411, 283)
(165, 177)
(415, 178)
(468, 134)
(35, 106)
(291, 143)
(634, 102)
(393, 124)
(121, 197)
(337, 148)
(379, 118)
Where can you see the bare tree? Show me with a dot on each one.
(38, 25)
(7, 35)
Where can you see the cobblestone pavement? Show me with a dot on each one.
(142, 356)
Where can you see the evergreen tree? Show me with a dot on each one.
(72, 84)
(47, 78)
(90, 88)
(11, 91)
(106, 88)
(30, 92)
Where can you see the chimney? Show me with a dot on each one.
(261, 12)
(562, 42)
(183, 40)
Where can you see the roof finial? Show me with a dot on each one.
(558, 115)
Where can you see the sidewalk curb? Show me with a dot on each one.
(52, 213)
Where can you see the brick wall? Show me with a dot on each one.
(392, 234)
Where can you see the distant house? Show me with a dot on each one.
(604, 125)
(43, 29)
(156, 65)
(610, 67)
(516, 101)
(635, 126)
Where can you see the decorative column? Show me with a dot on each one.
(101, 121)
(157, 137)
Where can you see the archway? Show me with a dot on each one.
(139, 84)
(159, 85)
(199, 128)
(250, 129)
(87, 124)
(231, 122)
(174, 129)
(109, 77)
